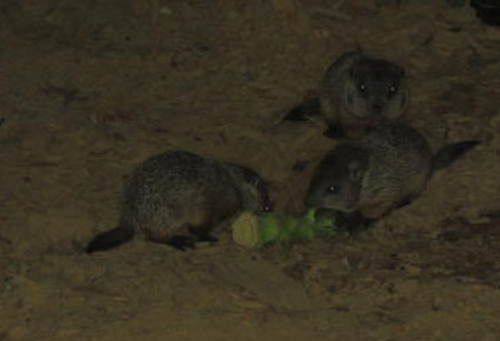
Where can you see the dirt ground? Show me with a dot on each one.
(89, 89)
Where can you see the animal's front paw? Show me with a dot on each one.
(207, 238)
(182, 243)
(353, 222)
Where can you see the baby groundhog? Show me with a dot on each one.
(356, 92)
(385, 170)
(178, 197)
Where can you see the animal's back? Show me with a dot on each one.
(400, 164)
(176, 189)
(385, 170)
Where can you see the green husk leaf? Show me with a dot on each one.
(255, 231)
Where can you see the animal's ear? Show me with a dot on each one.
(356, 171)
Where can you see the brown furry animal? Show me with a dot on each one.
(178, 197)
(386, 169)
(356, 92)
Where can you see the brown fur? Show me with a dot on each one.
(388, 168)
(179, 197)
(357, 91)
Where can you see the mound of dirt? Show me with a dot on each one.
(89, 89)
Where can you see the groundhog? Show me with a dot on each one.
(177, 198)
(356, 92)
(385, 170)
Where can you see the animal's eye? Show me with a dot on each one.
(333, 189)
(362, 87)
(392, 89)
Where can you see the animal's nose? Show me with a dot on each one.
(377, 107)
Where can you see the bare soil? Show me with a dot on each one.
(89, 89)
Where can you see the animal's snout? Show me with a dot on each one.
(377, 108)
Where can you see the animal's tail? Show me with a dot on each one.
(110, 239)
(310, 107)
(448, 154)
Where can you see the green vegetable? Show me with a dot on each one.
(255, 231)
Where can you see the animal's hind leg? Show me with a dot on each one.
(181, 239)
(188, 236)
(378, 209)
(181, 242)
(375, 210)
(381, 209)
